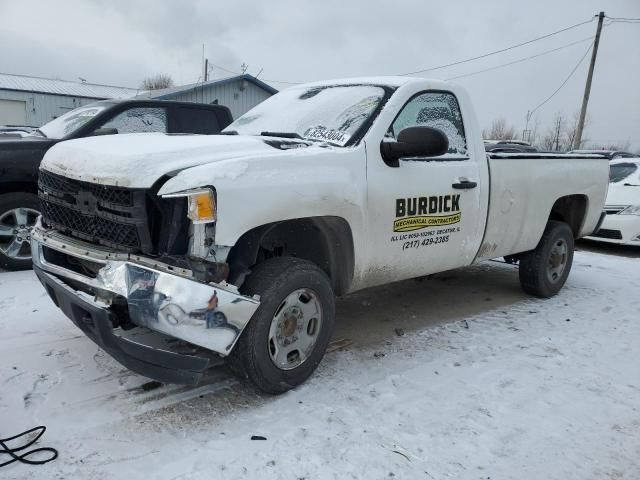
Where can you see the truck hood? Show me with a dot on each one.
(139, 160)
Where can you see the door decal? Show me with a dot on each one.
(416, 213)
(421, 213)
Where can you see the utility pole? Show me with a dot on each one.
(558, 128)
(203, 70)
(206, 69)
(587, 88)
(526, 133)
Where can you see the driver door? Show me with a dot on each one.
(425, 215)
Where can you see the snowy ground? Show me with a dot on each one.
(461, 376)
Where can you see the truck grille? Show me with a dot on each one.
(115, 195)
(112, 216)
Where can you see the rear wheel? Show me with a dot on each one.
(289, 332)
(544, 271)
(18, 214)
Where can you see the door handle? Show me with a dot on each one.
(464, 185)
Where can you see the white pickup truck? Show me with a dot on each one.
(235, 245)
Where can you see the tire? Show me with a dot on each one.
(16, 210)
(260, 354)
(544, 271)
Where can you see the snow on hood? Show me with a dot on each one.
(138, 160)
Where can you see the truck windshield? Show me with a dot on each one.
(69, 122)
(330, 114)
(620, 171)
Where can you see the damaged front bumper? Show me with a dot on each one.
(159, 297)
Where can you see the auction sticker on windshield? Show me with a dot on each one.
(327, 135)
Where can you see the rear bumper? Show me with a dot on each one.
(211, 316)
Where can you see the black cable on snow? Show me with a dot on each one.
(17, 454)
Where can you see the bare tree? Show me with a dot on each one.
(499, 130)
(532, 133)
(624, 147)
(157, 82)
(572, 129)
(552, 139)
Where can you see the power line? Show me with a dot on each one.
(495, 52)
(266, 79)
(520, 60)
(224, 69)
(565, 80)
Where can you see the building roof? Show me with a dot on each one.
(25, 83)
(166, 93)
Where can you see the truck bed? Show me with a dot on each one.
(523, 189)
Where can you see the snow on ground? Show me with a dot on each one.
(459, 376)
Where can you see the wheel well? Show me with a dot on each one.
(325, 241)
(572, 210)
(15, 187)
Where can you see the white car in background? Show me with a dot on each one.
(622, 223)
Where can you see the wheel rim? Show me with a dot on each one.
(295, 329)
(15, 232)
(557, 260)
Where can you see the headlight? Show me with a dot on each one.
(201, 206)
(631, 210)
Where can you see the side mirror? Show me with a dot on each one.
(105, 131)
(414, 142)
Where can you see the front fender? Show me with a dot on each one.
(251, 192)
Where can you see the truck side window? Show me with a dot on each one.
(139, 119)
(434, 109)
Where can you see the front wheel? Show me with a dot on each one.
(544, 271)
(18, 215)
(289, 332)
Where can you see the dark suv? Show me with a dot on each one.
(20, 157)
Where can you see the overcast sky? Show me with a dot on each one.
(120, 42)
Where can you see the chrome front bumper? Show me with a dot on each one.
(159, 297)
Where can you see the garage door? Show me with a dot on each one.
(13, 112)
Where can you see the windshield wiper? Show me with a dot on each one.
(229, 132)
(281, 135)
(40, 132)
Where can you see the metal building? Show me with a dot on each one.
(240, 93)
(34, 101)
